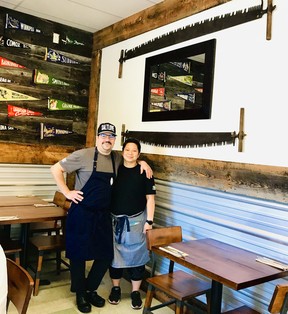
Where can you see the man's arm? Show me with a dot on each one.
(58, 174)
(145, 167)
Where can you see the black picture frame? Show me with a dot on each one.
(179, 84)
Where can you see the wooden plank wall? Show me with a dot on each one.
(75, 48)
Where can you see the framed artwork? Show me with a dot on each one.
(179, 84)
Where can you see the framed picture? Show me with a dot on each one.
(179, 84)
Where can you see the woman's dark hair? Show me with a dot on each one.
(132, 140)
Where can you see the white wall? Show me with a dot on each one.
(250, 72)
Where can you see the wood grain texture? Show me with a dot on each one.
(156, 16)
(268, 182)
(93, 98)
(33, 57)
(33, 154)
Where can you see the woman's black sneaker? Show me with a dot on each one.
(136, 302)
(115, 295)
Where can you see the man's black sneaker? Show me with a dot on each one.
(115, 295)
(136, 302)
(82, 305)
(95, 299)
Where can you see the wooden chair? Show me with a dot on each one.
(50, 243)
(10, 246)
(61, 200)
(278, 303)
(44, 244)
(54, 226)
(178, 285)
(20, 286)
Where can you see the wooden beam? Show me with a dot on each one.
(161, 14)
(93, 98)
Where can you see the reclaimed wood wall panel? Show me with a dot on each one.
(30, 49)
(261, 181)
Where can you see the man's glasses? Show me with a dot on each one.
(110, 136)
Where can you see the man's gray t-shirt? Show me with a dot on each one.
(82, 161)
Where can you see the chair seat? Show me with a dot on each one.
(11, 247)
(242, 310)
(42, 244)
(46, 243)
(180, 285)
(45, 227)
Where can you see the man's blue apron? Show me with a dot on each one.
(89, 227)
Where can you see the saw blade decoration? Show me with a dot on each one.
(195, 30)
(187, 139)
(182, 139)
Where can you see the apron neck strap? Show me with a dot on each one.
(112, 159)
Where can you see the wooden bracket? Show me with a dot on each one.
(241, 133)
(270, 9)
(123, 130)
(121, 60)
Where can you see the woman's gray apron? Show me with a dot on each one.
(130, 248)
(89, 227)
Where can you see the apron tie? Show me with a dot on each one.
(119, 227)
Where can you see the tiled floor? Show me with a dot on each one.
(57, 298)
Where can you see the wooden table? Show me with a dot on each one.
(20, 200)
(224, 264)
(27, 214)
(23, 200)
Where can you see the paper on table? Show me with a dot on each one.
(271, 262)
(2, 218)
(45, 205)
(173, 251)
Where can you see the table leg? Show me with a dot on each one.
(24, 240)
(216, 297)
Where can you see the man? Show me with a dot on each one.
(88, 226)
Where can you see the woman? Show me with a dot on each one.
(133, 205)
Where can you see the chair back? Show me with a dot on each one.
(60, 199)
(160, 237)
(279, 301)
(163, 236)
(20, 286)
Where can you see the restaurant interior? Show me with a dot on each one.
(215, 139)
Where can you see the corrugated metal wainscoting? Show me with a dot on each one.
(254, 224)
(22, 179)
